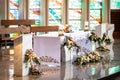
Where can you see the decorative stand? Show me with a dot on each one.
(21, 44)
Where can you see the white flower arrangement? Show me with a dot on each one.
(102, 42)
(32, 59)
(70, 43)
(88, 58)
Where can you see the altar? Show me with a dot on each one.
(48, 47)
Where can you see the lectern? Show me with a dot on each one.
(21, 44)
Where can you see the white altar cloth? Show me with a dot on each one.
(49, 45)
(48, 49)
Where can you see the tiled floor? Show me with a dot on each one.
(67, 71)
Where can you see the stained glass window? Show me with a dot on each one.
(14, 9)
(14, 13)
(35, 11)
(95, 13)
(115, 4)
(55, 14)
(74, 13)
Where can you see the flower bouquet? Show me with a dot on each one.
(88, 58)
(102, 42)
(70, 43)
(93, 37)
(32, 59)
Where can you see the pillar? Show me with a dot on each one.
(106, 11)
(85, 13)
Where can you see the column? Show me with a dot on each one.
(85, 12)
(106, 11)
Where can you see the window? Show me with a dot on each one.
(55, 12)
(74, 13)
(14, 9)
(115, 4)
(14, 13)
(95, 13)
(56, 9)
(35, 11)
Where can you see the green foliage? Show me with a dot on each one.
(108, 41)
(70, 43)
(101, 48)
(102, 42)
(36, 60)
(93, 37)
(26, 58)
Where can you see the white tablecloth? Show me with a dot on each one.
(48, 49)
